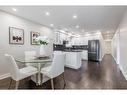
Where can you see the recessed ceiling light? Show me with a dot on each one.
(77, 26)
(98, 33)
(82, 30)
(74, 16)
(77, 35)
(65, 29)
(108, 32)
(108, 35)
(47, 13)
(14, 9)
(51, 25)
(87, 34)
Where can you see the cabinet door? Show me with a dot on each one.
(67, 58)
(84, 55)
(57, 37)
(70, 59)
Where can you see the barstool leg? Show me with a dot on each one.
(52, 84)
(17, 84)
(10, 83)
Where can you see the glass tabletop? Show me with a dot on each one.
(36, 60)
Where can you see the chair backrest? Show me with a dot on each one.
(14, 70)
(30, 55)
(57, 67)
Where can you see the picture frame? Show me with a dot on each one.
(34, 35)
(16, 36)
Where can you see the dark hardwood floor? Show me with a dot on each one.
(92, 75)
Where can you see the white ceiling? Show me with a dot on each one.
(89, 18)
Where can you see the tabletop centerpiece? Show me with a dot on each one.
(43, 41)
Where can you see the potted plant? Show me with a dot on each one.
(42, 41)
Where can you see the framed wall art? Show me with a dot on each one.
(34, 35)
(16, 36)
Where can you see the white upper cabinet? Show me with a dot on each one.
(60, 37)
(84, 39)
(57, 38)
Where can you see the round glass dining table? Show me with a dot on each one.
(39, 62)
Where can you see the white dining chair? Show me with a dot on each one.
(29, 55)
(54, 53)
(55, 69)
(19, 74)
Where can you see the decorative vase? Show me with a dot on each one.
(42, 50)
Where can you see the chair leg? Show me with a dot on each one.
(41, 79)
(17, 84)
(64, 81)
(36, 79)
(52, 84)
(10, 83)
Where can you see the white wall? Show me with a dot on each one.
(120, 45)
(7, 20)
(102, 47)
(123, 45)
(115, 46)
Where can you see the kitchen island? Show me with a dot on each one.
(73, 59)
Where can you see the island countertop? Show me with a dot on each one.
(72, 51)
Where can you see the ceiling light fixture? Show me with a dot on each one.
(87, 34)
(108, 32)
(65, 29)
(47, 13)
(77, 26)
(77, 35)
(51, 25)
(98, 32)
(74, 16)
(14, 9)
(82, 30)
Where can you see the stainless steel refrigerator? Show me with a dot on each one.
(93, 50)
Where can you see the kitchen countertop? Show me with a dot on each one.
(73, 51)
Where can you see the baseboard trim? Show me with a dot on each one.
(101, 58)
(114, 59)
(4, 76)
(121, 68)
(123, 72)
